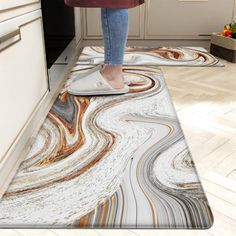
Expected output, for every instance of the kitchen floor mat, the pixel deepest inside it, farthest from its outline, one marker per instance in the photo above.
(161, 56)
(109, 162)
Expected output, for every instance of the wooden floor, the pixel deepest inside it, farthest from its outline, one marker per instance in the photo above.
(205, 100)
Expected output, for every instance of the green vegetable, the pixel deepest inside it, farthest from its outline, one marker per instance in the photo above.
(234, 35)
(232, 26)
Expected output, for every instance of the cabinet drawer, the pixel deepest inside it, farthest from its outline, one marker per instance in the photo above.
(23, 74)
(8, 4)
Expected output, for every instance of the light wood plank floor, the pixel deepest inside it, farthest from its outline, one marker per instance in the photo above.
(205, 100)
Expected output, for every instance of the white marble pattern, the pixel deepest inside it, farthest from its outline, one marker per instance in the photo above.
(109, 161)
(160, 56)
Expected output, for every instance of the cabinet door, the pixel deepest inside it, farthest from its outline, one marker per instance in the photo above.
(186, 19)
(92, 23)
(23, 74)
(8, 4)
(13, 8)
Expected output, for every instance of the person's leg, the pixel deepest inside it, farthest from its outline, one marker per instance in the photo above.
(115, 32)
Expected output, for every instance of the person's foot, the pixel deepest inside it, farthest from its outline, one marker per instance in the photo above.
(113, 75)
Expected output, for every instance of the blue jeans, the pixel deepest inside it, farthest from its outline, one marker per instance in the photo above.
(115, 33)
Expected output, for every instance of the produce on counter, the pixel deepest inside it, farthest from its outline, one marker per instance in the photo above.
(230, 30)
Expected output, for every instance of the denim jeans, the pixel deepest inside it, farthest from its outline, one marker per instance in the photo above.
(115, 33)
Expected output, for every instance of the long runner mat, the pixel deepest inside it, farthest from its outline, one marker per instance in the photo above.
(109, 162)
(161, 56)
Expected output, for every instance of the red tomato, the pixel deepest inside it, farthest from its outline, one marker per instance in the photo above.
(228, 33)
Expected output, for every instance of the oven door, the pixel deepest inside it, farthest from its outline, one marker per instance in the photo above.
(59, 34)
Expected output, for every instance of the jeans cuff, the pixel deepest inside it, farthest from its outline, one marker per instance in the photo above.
(116, 62)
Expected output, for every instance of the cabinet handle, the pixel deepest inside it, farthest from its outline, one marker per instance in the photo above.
(7, 37)
(10, 35)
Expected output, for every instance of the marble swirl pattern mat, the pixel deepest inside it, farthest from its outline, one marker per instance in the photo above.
(109, 162)
(161, 56)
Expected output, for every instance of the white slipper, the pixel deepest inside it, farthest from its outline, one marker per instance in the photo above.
(127, 81)
(92, 83)
(87, 73)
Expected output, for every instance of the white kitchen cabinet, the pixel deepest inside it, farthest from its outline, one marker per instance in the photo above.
(168, 19)
(14, 8)
(92, 23)
(23, 75)
(8, 4)
(186, 19)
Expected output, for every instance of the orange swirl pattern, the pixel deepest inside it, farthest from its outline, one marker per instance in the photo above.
(161, 56)
(109, 162)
